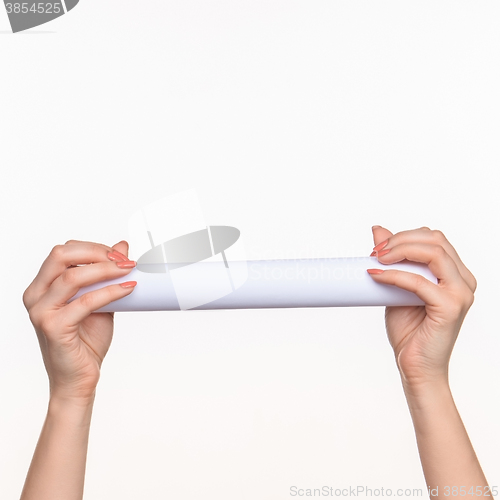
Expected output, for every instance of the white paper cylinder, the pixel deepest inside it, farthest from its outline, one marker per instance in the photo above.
(336, 282)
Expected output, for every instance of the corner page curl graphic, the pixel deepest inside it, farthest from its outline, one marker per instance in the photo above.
(170, 240)
(24, 15)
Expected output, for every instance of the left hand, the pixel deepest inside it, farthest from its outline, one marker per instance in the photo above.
(423, 336)
(73, 339)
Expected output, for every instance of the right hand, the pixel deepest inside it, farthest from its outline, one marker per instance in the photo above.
(423, 336)
(72, 338)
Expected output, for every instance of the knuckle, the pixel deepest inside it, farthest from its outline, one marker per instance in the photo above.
(474, 283)
(57, 252)
(35, 315)
(438, 235)
(69, 277)
(27, 298)
(41, 319)
(425, 227)
(420, 281)
(468, 299)
(460, 302)
(438, 251)
(87, 301)
(69, 242)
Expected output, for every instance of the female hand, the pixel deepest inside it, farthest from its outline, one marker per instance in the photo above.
(423, 336)
(72, 338)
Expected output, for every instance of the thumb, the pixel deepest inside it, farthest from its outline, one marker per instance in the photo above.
(380, 234)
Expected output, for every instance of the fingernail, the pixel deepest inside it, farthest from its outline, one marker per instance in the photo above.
(120, 254)
(383, 252)
(375, 271)
(127, 264)
(115, 257)
(128, 284)
(375, 227)
(373, 254)
(381, 245)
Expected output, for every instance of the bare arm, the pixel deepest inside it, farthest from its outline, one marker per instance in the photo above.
(447, 456)
(423, 338)
(58, 466)
(73, 341)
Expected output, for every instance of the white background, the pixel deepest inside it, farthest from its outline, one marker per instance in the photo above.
(303, 123)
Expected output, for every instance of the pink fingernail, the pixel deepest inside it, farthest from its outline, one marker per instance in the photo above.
(373, 254)
(375, 271)
(127, 264)
(115, 257)
(383, 252)
(120, 254)
(128, 284)
(381, 245)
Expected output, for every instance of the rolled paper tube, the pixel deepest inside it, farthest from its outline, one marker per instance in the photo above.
(335, 282)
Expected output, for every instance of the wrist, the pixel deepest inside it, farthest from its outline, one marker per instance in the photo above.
(70, 405)
(418, 382)
(72, 393)
(428, 394)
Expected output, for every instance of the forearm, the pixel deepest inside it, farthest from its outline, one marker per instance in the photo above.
(57, 470)
(447, 456)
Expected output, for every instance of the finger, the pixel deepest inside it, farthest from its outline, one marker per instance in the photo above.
(115, 249)
(76, 242)
(122, 248)
(426, 235)
(76, 311)
(70, 281)
(435, 256)
(464, 271)
(427, 291)
(60, 258)
(380, 234)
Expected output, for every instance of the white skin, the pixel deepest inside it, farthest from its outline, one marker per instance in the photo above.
(423, 338)
(74, 342)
